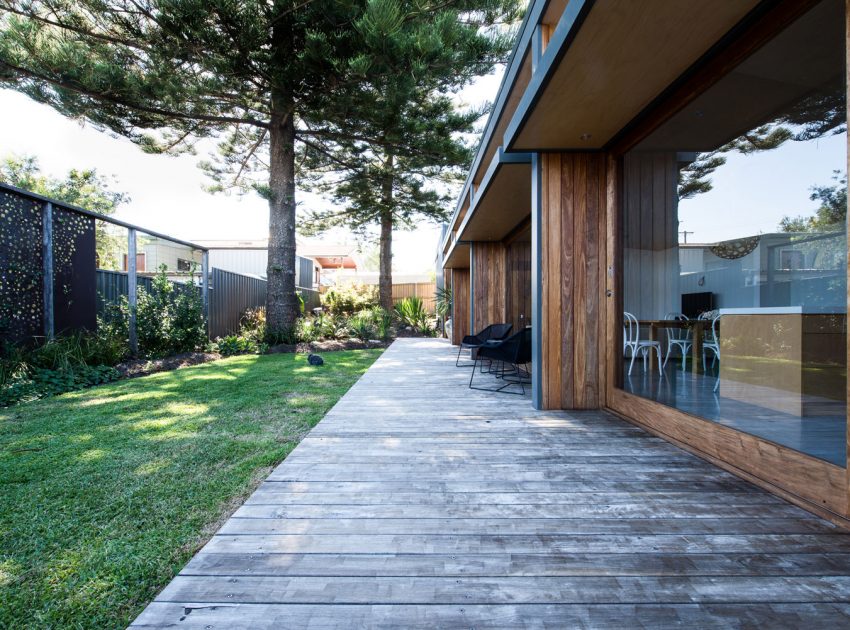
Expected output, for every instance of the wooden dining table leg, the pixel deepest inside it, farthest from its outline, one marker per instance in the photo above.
(696, 348)
(653, 336)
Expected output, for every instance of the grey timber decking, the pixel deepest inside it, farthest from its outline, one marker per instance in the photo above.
(417, 503)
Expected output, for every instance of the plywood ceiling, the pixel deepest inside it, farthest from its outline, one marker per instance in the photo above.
(505, 202)
(625, 54)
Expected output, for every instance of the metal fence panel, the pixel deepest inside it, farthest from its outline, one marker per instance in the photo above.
(304, 272)
(230, 295)
(312, 299)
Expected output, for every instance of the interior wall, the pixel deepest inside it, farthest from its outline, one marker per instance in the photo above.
(460, 304)
(573, 215)
(651, 235)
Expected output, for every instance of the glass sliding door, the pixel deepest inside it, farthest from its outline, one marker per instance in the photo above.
(735, 246)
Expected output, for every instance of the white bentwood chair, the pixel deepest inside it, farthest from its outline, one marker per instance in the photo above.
(678, 337)
(711, 341)
(633, 342)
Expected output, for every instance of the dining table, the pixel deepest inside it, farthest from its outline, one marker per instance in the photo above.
(697, 327)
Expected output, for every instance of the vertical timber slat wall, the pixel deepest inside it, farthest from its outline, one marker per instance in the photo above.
(518, 284)
(460, 304)
(488, 269)
(574, 219)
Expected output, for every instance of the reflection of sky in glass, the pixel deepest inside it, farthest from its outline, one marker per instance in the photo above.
(753, 192)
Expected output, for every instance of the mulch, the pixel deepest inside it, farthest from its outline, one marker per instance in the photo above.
(142, 367)
(332, 345)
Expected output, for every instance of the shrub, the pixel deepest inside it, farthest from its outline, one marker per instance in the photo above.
(362, 325)
(169, 320)
(443, 301)
(350, 298)
(47, 382)
(383, 322)
(68, 362)
(411, 312)
(253, 323)
(236, 344)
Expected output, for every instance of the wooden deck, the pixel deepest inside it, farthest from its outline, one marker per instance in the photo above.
(419, 504)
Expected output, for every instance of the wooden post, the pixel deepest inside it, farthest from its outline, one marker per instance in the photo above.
(131, 289)
(47, 261)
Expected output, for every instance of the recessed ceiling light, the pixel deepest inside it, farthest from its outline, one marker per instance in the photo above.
(584, 137)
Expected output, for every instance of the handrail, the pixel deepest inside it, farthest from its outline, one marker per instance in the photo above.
(97, 215)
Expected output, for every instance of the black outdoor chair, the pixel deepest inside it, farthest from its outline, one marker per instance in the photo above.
(513, 354)
(492, 332)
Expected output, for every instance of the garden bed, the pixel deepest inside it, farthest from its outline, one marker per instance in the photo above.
(142, 367)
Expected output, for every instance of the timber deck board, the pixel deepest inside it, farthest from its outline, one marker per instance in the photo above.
(416, 503)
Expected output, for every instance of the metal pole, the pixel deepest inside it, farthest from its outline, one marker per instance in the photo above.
(536, 284)
(131, 289)
(47, 259)
(472, 288)
(205, 281)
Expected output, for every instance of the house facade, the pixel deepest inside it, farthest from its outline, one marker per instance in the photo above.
(251, 257)
(620, 131)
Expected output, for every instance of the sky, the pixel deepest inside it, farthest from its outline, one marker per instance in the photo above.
(752, 193)
(166, 193)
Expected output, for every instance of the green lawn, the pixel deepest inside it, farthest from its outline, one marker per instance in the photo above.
(106, 493)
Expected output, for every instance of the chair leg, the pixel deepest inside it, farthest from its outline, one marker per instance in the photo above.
(632, 362)
(667, 356)
(459, 349)
(472, 376)
(658, 356)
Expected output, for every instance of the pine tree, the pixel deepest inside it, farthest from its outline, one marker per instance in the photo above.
(414, 61)
(821, 113)
(253, 76)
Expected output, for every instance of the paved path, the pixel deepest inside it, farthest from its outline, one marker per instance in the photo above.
(419, 504)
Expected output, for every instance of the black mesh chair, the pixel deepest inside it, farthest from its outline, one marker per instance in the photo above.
(513, 354)
(493, 332)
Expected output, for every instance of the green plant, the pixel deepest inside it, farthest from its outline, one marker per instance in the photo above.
(45, 382)
(169, 318)
(383, 322)
(411, 312)
(443, 301)
(348, 299)
(236, 344)
(362, 325)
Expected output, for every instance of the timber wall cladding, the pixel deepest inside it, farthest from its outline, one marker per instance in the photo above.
(488, 284)
(518, 284)
(573, 216)
(460, 304)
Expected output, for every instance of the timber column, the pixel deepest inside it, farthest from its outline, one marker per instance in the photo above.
(569, 279)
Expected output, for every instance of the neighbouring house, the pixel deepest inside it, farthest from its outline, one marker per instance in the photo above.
(250, 257)
(334, 261)
(152, 253)
(600, 146)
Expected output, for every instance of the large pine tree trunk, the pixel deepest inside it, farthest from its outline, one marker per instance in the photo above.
(282, 306)
(385, 276)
